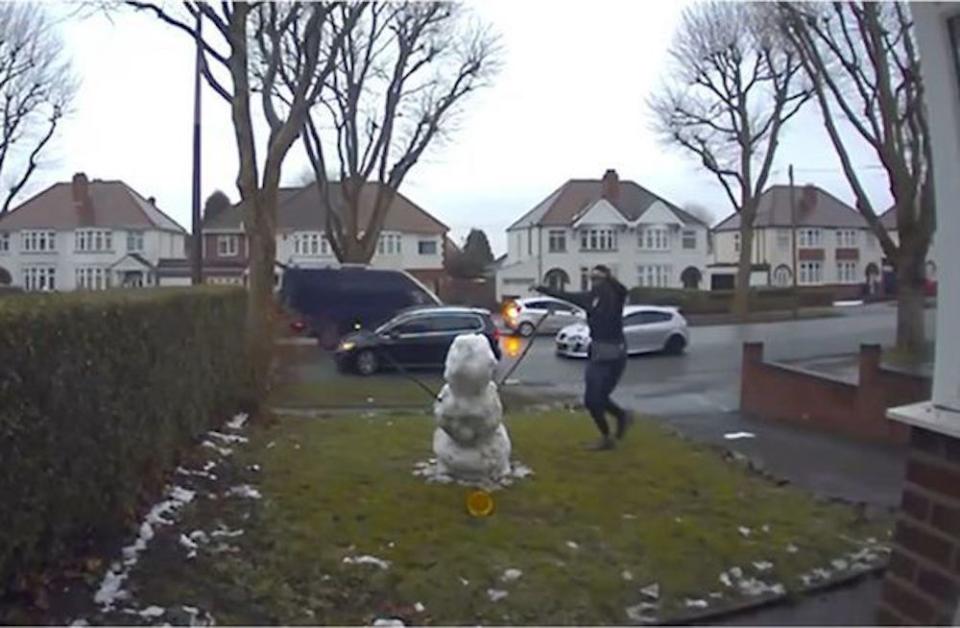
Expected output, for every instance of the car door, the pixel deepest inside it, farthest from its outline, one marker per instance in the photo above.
(404, 342)
(633, 331)
(534, 312)
(566, 314)
(654, 329)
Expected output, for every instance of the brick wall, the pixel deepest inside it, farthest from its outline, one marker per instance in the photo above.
(777, 392)
(922, 584)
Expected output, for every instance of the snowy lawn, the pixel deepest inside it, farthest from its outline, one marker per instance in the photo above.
(329, 525)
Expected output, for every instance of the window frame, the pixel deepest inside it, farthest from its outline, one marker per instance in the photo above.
(556, 241)
(228, 245)
(430, 244)
(686, 237)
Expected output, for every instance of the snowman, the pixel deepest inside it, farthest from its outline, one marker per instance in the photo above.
(471, 442)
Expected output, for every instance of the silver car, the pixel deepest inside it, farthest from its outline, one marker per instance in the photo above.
(523, 316)
(648, 328)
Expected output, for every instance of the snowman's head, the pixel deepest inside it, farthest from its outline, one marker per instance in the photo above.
(470, 364)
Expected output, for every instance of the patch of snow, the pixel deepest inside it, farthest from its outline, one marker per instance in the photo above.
(255, 468)
(716, 595)
(753, 587)
(199, 536)
(271, 445)
(388, 622)
(244, 490)
(744, 531)
(511, 575)
(223, 531)
(464, 582)
(223, 451)
(693, 603)
(651, 591)
(191, 546)
(725, 579)
(296, 445)
(766, 528)
(839, 564)
(520, 471)
(626, 575)
(230, 439)
(763, 565)
(195, 473)
(628, 516)
(111, 587)
(736, 572)
(739, 435)
(419, 607)
(79, 622)
(152, 611)
(572, 545)
(792, 549)
(366, 560)
(642, 613)
(237, 422)
(495, 595)
(210, 464)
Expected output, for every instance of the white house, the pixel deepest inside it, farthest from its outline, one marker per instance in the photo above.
(644, 239)
(87, 235)
(412, 239)
(834, 244)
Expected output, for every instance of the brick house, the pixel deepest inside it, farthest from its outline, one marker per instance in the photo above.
(412, 239)
(643, 238)
(89, 235)
(834, 243)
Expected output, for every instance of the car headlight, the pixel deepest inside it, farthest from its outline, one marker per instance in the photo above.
(347, 345)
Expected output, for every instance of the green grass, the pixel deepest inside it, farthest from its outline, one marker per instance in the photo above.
(660, 508)
(347, 391)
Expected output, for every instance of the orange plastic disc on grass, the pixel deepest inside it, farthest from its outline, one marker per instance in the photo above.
(480, 503)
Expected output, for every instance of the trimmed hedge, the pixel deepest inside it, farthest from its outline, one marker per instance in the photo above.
(98, 394)
(721, 301)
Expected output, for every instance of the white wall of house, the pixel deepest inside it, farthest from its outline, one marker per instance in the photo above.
(617, 245)
(408, 251)
(29, 269)
(774, 246)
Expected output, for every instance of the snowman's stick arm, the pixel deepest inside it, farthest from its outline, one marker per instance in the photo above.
(526, 349)
(410, 376)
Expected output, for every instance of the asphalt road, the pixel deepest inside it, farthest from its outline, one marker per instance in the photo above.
(706, 379)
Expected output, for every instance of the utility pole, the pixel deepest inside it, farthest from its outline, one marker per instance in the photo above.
(196, 251)
(793, 243)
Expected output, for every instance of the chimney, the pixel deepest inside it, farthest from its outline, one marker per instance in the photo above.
(611, 186)
(152, 200)
(808, 200)
(81, 199)
(80, 189)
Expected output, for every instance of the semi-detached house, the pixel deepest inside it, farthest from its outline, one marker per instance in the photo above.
(411, 240)
(89, 235)
(644, 239)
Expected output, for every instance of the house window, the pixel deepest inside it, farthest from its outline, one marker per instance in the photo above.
(654, 275)
(557, 242)
(810, 273)
(598, 240)
(93, 278)
(427, 247)
(689, 239)
(655, 239)
(783, 238)
(309, 244)
(134, 241)
(38, 241)
(93, 241)
(389, 244)
(529, 242)
(809, 238)
(228, 245)
(847, 238)
(39, 278)
(736, 242)
(4, 241)
(872, 241)
(847, 272)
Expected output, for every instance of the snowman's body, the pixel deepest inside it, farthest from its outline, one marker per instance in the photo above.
(470, 442)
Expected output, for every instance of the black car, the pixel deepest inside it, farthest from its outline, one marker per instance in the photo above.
(418, 338)
(333, 302)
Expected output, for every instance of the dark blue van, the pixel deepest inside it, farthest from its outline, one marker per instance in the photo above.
(336, 301)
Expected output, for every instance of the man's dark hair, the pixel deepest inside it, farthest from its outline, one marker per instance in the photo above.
(604, 269)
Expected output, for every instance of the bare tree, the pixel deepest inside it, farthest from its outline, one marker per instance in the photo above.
(865, 69)
(36, 88)
(246, 50)
(735, 84)
(401, 76)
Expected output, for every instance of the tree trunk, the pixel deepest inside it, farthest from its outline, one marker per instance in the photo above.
(911, 262)
(741, 294)
(262, 242)
(353, 252)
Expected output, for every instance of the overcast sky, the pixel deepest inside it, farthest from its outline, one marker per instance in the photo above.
(568, 103)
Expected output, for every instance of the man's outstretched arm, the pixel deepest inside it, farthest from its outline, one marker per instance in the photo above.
(580, 299)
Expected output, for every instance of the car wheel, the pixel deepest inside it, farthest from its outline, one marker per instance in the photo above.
(675, 345)
(526, 329)
(367, 362)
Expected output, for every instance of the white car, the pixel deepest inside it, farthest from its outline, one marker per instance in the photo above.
(648, 328)
(524, 316)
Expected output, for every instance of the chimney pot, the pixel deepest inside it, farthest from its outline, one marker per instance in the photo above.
(152, 200)
(80, 183)
(611, 185)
